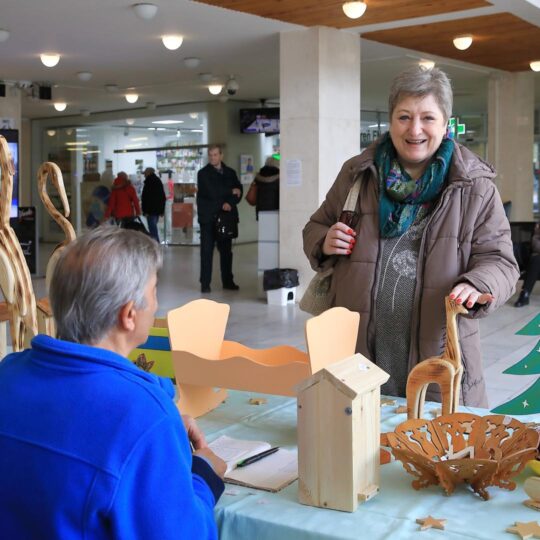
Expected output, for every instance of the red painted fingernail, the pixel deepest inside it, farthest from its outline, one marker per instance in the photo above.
(350, 231)
(348, 252)
(353, 241)
(459, 300)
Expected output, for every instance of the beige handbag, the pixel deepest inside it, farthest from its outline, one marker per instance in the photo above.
(318, 296)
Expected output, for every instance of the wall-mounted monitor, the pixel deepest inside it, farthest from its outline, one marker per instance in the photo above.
(12, 138)
(260, 120)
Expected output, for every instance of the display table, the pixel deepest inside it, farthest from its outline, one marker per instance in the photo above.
(246, 513)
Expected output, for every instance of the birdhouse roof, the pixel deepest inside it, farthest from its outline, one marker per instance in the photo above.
(352, 376)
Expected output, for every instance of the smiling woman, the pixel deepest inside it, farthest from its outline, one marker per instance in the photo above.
(430, 223)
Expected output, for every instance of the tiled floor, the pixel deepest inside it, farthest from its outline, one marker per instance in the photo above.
(257, 324)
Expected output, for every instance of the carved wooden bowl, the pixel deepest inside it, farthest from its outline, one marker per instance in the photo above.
(497, 448)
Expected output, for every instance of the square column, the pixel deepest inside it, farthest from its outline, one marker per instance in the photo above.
(319, 124)
(511, 138)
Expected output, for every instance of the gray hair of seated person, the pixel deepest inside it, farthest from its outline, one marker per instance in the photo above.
(421, 82)
(95, 276)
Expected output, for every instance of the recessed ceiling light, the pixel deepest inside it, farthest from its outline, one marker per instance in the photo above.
(130, 121)
(192, 62)
(535, 66)
(463, 42)
(51, 132)
(172, 42)
(4, 35)
(196, 131)
(161, 129)
(132, 97)
(49, 59)
(75, 143)
(167, 122)
(194, 115)
(215, 89)
(145, 10)
(354, 10)
(84, 75)
(60, 106)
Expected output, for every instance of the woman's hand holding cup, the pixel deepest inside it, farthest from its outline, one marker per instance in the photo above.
(339, 240)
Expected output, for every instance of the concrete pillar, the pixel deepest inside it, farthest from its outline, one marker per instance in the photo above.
(319, 125)
(510, 139)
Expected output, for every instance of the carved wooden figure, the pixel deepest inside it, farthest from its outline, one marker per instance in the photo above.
(52, 171)
(445, 370)
(15, 280)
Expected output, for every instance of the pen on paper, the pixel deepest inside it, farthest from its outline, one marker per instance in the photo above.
(257, 457)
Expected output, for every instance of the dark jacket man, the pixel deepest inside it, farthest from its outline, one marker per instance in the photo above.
(153, 195)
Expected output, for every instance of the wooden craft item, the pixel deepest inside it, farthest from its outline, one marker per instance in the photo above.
(201, 356)
(532, 489)
(527, 530)
(431, 523)
(339, 452)
(52, 171)
(445, 370)
(257, 401)
(428, 448)
(15, 280)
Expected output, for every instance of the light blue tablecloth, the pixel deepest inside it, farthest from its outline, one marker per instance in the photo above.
(245, 513)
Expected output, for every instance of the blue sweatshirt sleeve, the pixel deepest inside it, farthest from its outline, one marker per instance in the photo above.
(161, 494)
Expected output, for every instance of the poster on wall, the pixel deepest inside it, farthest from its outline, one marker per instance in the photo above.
(246, 168)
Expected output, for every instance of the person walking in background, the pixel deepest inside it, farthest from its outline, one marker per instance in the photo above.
(265, 188)
(533, 270)
(123, 202)
(429, 224)
(153, 201)
(218, 189)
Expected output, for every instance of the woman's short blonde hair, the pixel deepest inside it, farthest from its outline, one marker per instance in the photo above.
(420, 82)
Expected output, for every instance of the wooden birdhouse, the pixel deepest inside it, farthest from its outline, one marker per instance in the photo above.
(339, 434)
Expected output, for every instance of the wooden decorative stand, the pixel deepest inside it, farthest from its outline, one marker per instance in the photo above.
(445, 370)
(52, 171)
(464, 448)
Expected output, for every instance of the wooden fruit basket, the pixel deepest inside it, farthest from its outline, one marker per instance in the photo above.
(461, 448)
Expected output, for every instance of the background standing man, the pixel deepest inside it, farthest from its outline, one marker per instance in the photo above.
(153, 201)
(218, 189)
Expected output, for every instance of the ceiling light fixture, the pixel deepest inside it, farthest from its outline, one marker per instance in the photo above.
(145, 11)
(192, 62)
(426, 64)
(354, 10)
(194, 115)
(51, 132)
(167, 122)
(535, 65)
(172, 42)
(84, 75)
(132, 97)
(130, 121)
(4, 35)
(215, 89)
(60, 106)
(49, 59)
(463, 42)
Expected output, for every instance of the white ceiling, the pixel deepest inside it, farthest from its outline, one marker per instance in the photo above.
(106, 38)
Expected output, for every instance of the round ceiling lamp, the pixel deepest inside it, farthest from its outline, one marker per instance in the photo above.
(130, 121)
(145, 11)
(84, 75)
(131, 97)
(354, 10)
(51, 132)
(535, 65)
(426, 64)
(194, 115)
(172, 42)
(49, 59)
(463, 42)
(192, 62)
(4, 35)
(60, 106)
(215, 89)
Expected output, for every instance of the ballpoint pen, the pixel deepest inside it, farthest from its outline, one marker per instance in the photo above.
(257, 457)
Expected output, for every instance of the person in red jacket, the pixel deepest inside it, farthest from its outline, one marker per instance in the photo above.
(123, 202)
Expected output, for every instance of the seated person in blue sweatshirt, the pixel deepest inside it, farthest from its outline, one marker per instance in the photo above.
(90, 445)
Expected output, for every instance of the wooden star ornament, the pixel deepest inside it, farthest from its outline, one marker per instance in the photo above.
(431, 523)
(527, 530)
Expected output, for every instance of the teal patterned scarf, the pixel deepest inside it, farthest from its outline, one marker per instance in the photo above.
(402, 199)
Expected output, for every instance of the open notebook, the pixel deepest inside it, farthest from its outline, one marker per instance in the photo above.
(271, 473)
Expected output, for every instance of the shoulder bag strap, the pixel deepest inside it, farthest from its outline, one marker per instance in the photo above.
(352, 197)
